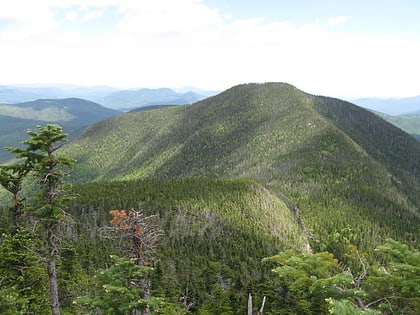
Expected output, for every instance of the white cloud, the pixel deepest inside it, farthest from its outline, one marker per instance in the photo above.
(71, 16)
(338, 20)
(91, 15)
(74, 16)
(183, 42)
(31, 18)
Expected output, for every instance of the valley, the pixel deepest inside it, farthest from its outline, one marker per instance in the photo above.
(231, 180)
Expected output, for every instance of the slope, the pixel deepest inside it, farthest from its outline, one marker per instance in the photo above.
(231, 134)
(71, 111)
(214, 231)
(353, 176)
(384, 142)
(13, 132)
(410, 123)
(73, 114)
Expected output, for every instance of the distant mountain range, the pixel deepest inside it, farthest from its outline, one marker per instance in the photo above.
(22, 107)
(391, 106)
(12, 94)
(403, 112)
(131, 99)
(73, 114)
(107, 96)
(69, 111)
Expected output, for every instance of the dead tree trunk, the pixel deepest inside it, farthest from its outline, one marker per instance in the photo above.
(262, 307)
(250, 304)
(260, 311)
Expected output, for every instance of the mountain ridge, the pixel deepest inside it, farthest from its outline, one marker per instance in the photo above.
(66, 110)
(73, 114)
(410, 123)
(130, 99)
(253, 171)
(322, 154)
(114, 98)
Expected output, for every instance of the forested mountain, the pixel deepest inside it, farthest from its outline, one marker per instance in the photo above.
(322, 154)
(105, 95)
(237, 177)
(23, 93)
(410, 123)
(72, 113)
(69, 111)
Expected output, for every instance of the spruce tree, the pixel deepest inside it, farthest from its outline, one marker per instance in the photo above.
(47, 210)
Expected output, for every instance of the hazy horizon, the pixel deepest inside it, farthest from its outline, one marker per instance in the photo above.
(349, 50)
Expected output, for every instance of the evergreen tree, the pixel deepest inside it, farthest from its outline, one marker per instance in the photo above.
(116, 291)
(11, 178)
(23, 277)
(38, 159)
(319, 284)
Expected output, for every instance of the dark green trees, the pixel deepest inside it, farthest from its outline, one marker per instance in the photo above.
(47, 209)
(23, 278)
(116, 291)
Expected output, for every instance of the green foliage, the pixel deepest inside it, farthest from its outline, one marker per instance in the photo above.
(213, 230)
(116, 291)
(341, 307)
(38, 159)
(167, 308)
(395, 284)
(11, 303)
(23, 275)
(73, 280)
(317, 283)
(311, 278)
(11, 177)
(218, 303)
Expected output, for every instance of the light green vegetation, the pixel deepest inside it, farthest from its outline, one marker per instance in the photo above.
(44, 114)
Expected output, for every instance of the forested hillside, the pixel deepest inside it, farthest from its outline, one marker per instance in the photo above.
(327, 157)
(230, 182)
(410, 123)
(72, 113)
(213, 231)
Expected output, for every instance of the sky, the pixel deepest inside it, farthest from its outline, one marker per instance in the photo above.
(342, 48)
